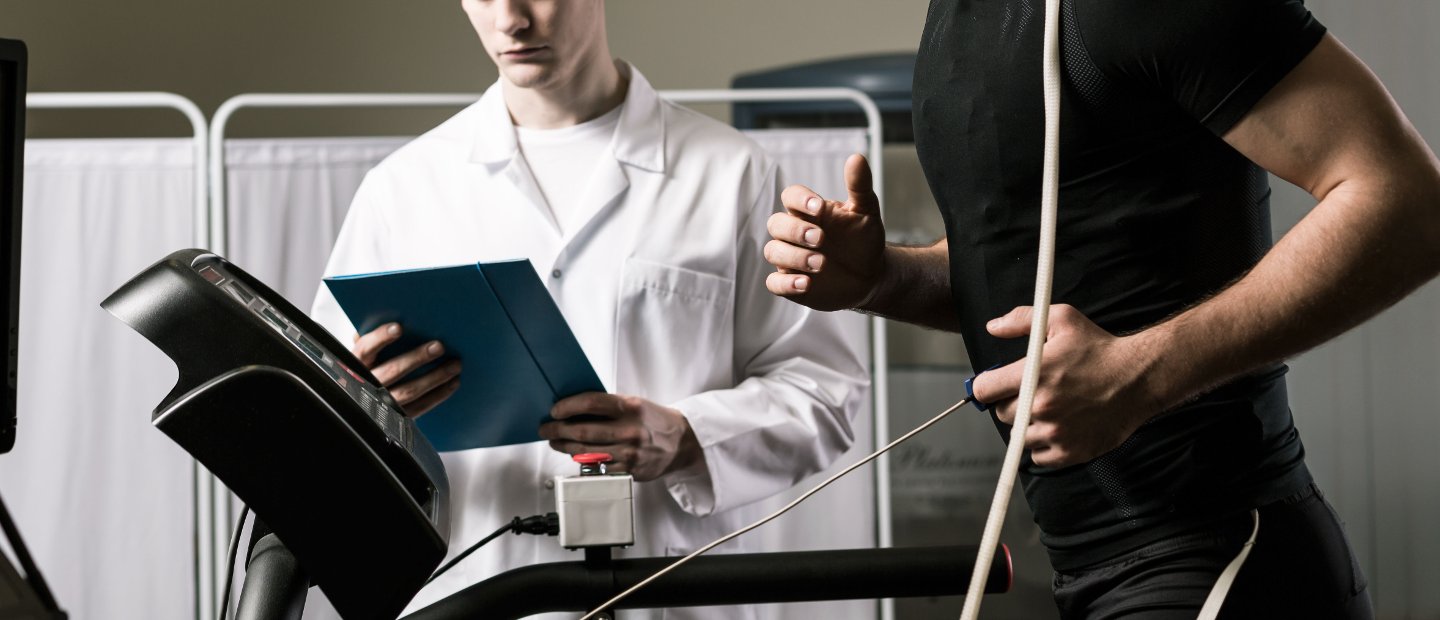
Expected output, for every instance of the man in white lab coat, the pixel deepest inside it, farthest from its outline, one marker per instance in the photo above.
(646, 222)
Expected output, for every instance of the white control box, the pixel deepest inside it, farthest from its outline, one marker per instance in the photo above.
(595, 511)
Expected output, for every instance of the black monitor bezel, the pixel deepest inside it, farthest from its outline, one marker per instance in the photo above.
(13, 57)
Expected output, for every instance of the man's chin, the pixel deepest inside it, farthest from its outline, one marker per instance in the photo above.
(528, 76)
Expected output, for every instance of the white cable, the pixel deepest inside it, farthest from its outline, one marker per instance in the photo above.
(723, 539)
(1049, 201)
(1221, 589)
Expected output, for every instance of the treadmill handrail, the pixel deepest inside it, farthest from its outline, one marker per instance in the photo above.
(726, 579)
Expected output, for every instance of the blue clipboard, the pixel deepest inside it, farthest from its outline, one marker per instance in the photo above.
(519, 354)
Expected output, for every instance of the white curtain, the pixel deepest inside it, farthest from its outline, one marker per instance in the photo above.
(287, 199)
(103, 499)
(815, 158)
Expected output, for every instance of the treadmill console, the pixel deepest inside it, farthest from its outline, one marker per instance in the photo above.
(297, 427)
(372, 399)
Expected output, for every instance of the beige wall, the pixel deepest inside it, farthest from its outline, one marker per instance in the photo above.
(209, 50)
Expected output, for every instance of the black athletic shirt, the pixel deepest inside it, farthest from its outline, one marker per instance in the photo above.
(1156, 213)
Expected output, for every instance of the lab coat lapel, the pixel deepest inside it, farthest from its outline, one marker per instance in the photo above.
(607, 183)
(498, 149)
(518, 174)
(638, 143)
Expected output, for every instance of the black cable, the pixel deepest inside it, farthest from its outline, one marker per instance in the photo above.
(22, 555)
(230, 564)
(493, 535)
(548, 524)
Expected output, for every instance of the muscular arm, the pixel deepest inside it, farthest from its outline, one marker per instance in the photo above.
(1330, 128)
(915, 287)
(832, 255)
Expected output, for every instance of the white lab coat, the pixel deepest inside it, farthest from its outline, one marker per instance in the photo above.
(660, 275)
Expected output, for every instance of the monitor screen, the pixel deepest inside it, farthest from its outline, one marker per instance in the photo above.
(12, 154)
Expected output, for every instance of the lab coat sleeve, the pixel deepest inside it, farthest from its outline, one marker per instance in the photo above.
(360, 248)
(800, 383)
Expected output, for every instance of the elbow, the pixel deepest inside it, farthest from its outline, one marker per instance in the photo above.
(1428, 200)
(1414, 226)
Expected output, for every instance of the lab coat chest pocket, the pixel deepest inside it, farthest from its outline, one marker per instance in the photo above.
(674, 331)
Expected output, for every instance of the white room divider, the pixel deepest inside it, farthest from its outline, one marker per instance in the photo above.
(104, 500)
(299, 189)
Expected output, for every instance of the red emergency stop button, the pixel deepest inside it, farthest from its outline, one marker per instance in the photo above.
(592, 463)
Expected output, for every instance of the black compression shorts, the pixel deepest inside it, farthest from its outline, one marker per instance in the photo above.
(1301, 566)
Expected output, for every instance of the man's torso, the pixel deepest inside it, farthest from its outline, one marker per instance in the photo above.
(1156, 213)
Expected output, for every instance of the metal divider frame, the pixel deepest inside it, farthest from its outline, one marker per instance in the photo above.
(880, 393)
(209, 552)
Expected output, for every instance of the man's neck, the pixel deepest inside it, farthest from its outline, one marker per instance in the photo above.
(595, 90)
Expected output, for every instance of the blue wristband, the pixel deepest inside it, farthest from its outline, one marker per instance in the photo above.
(970, 392)
(970, 389)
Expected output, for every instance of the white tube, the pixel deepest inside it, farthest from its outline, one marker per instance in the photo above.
(1211, 609)
(1040, 318)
